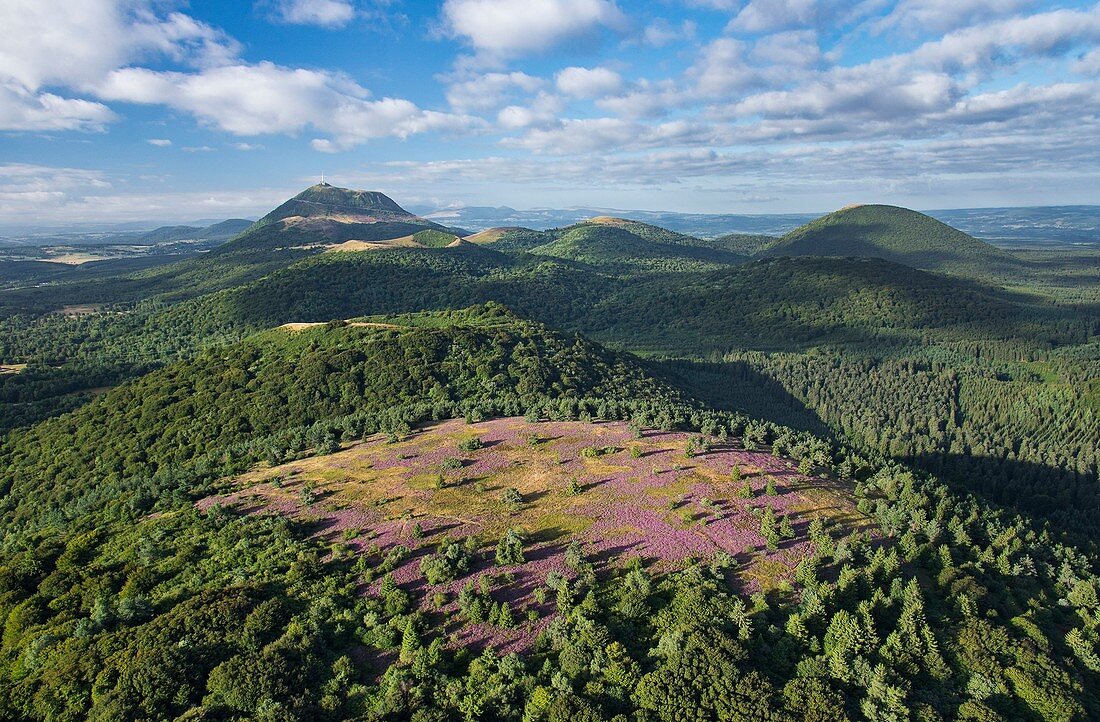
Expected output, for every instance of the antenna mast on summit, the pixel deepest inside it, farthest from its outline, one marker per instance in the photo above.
(322, 177)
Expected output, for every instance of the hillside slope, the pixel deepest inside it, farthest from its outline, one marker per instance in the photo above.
(888, 232)
(266, 532)
(483, 357)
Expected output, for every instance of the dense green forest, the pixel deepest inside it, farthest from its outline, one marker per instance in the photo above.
(122, 601)
(957, 406)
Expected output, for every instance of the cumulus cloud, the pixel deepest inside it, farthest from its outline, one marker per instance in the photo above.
(324, 13)
(515, 27)
(588, 82)
(22, 109)
(1037, 35)
(721, 67)
(759, 16)
(796, 48)
(921, 16)
(488, 91)
(75, 42)
(587, 135)
(661, 32)
(542, 111)
(894, 94)
(92, 47)
(646, 99)
(72, 44)
(265, 98)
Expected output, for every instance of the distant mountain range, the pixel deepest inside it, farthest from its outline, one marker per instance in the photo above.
(1006, 227)
(1038, 226)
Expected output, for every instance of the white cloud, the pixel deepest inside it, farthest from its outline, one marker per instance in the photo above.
(590, 135)
(721, 67)
(1037, 35)
(266, 98)
(90, 47)
(22, 109)
(922, 16)
(768, 15)
(759, 16)
(516, 27)
(1088, 63)
(159, 142)
(54, 195)
(1025, 105)
(72, 44)
(198, 149)
(485, 92)
(646, 99)
(542, 111)
(796, 48)
(325, 13)
(248, 146)
(588, 82)
(853, 93)
(29, 191)
(660, 32)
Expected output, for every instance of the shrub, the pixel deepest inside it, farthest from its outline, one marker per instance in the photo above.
(451, 563)
(470, 444)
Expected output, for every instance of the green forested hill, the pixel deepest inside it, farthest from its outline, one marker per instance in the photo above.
(632, 245)
(889, 232)
(122, 599)
(189, 413)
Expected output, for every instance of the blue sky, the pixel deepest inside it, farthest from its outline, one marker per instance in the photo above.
(121, 110)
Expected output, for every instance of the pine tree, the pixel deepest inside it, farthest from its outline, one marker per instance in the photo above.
(410, 643)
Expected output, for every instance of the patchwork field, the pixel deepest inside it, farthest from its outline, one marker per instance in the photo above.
(612, 492)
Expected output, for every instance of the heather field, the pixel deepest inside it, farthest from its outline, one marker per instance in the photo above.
(621, 493)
